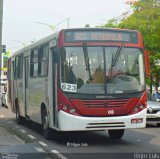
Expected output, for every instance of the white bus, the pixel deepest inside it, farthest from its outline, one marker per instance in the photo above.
(81, 80)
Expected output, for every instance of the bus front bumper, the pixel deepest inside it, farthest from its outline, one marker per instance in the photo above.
(68, 122)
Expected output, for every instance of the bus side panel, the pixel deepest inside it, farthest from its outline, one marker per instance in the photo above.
(37, 95)
(10, 95)
(20, 96)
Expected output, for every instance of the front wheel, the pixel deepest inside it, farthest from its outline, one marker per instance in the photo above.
(116, 134)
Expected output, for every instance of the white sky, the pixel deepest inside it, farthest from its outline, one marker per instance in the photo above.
(20, 17)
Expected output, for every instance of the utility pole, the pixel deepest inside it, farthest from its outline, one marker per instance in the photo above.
(1, 23)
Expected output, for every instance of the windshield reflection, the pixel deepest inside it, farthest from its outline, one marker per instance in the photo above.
(89, 70)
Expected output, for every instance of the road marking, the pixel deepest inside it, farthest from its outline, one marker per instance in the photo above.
(16, 127)
(139, 140)
(39, 149)
(42, 143)
(10, 122)
(32, 137)
(18, 139)
(2, 116)
(22, 130)
(58, 154)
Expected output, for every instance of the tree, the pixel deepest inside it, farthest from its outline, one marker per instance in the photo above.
(146, 19)
(112, 23)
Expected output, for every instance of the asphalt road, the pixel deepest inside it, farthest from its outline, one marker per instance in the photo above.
(136, 143)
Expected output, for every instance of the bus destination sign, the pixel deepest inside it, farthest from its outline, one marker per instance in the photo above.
(102, 36)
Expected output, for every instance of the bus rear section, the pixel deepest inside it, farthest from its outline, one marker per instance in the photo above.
(81, 80)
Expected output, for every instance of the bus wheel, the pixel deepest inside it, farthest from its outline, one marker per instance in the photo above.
(45, 125)
(116, 134)
(18, 117)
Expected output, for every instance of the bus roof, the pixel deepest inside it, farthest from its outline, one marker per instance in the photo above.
(36, 43)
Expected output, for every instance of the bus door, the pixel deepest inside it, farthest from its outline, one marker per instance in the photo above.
(55, 69)
(53, 87)
(26, 76)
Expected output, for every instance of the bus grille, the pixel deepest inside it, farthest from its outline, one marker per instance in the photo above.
(105, 103)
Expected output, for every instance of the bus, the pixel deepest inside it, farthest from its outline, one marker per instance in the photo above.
(81, 79)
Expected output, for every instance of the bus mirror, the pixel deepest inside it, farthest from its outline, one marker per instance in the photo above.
(55, 54)
(146, 58)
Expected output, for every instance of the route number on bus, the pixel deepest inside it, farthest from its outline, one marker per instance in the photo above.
(69, 87)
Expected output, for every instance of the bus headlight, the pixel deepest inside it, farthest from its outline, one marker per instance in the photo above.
(68, 109)
(72, 111)
(136, 109)
(141, 107)
(65, 107)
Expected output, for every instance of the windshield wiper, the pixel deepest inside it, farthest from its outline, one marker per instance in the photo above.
(86, 59)
(115, 57)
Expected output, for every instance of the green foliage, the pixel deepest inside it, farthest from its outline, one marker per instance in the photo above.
(111, 24)
(146, 19)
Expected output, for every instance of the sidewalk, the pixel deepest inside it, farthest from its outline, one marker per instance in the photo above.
(7, 137)
(6, 112)
(15, 145)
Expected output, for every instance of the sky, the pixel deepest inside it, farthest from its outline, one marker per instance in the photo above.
(20, 17)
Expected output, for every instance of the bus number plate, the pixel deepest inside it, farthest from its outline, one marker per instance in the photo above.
(69, 87)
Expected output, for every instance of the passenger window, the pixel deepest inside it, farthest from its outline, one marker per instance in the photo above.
(34, 63)
(19, 67)
(43, 61)
(12, 70)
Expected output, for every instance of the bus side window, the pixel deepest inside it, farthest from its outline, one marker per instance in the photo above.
(43, 61)
(19, 67)
(55, 53)
(34, 63)
(12, 70)
(9, 70)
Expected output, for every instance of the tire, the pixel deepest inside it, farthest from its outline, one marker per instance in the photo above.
(19, 119)
(45, 125)
(116, 134)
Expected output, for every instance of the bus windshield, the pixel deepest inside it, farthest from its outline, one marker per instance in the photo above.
(90, 70)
